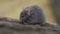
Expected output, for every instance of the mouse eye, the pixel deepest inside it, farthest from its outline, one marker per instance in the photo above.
(22, 16)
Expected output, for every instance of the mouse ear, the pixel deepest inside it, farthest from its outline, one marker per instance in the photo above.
(28, 12)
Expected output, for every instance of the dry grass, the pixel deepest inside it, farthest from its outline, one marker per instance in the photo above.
(12, 8)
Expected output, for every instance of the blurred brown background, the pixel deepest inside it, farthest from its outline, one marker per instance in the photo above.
(12, 8)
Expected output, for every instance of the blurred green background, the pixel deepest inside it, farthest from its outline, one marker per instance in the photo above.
(12, 8)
